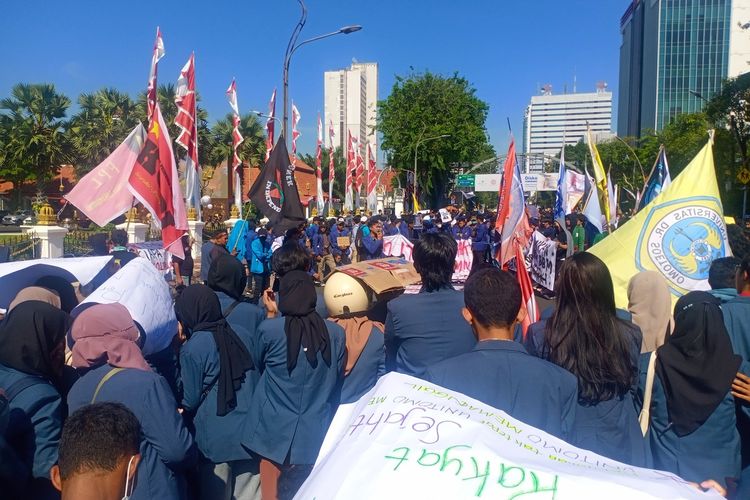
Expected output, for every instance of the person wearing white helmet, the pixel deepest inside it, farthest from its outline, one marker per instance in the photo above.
(349, 303)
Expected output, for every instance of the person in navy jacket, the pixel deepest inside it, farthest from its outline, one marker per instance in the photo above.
(227, 278)
(461, 231)
(602, 351)
(301, 359)
(480, 242)
(341, 255)
(502, 374)
(372, 242)
(105, 350)
(32, 355)
(406, 227)
(218, 378)
(428, 327)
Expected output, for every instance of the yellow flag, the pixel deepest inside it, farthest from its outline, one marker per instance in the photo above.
(599, 175)
(678, 234)
(416, 204)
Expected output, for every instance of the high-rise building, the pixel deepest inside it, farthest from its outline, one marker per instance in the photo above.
(672, 47)
(551, 120)
(351, 101)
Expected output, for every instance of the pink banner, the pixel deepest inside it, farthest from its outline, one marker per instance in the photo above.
(102, 194)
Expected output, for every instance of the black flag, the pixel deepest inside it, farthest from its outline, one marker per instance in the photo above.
(275, 193)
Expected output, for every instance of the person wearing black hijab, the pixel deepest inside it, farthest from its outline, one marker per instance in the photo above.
(218, 378)
(32, 355)
(692, 423)
(301, 358)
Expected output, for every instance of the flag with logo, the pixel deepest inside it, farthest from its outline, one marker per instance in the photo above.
(102, 194)
(678, 234)
(154, 180)
(186, 121)
(274, 191)
(236, 141)
(658, 180)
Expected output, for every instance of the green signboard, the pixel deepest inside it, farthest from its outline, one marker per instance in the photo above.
(465, 180)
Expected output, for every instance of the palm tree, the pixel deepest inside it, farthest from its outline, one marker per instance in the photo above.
(253, 147)
(105, 119)
(32, 136)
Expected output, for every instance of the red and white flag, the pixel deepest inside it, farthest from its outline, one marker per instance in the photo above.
(318, 166)
(295, 132)
(331, 166)
(372, 180)
(350, 165)
(528, 300)
(186, 121)
(512, 223)
(158, 53)
(270, 124)
(359, 179)
(154, 180)
(236, 141)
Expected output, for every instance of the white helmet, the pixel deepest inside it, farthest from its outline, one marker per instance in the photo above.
(344, 294)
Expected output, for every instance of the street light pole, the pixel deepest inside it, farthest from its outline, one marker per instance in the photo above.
(416, 149)
(292, 46)
(269, 117)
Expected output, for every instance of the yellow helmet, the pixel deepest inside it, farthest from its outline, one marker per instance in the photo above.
(344, 294)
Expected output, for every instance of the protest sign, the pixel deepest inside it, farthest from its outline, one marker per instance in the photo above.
(407, 438)
(154, 252)
(18, 275)
(382, 275)
(543, 260)
(141, 288)
(464, 260)
(398, 246)
(445, 216)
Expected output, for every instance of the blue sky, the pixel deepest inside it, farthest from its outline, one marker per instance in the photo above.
(506, 48)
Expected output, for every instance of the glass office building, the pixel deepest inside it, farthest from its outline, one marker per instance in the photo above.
(672, 47)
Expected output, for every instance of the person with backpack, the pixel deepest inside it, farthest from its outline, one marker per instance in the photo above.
(32, 353)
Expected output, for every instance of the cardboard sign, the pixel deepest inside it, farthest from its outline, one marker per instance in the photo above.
(15, 276)
(408, 438)
(383, 275)
(543, 260)
(141, 288)
(343, 241)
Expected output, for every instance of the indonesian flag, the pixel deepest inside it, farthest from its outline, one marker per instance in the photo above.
(372, 180)
(185, 120)
(512, 223)
(318, 169)
(154, 180)
(236, 141)
(528, 300)
(348, 197)
(270, 124)
(506, 181)
(295, 133)
(331, 167)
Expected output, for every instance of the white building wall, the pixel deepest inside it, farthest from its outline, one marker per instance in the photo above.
(739, 39)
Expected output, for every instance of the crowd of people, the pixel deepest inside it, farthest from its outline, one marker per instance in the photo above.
(239, 404)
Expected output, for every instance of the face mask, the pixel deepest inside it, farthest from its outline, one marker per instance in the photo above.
(127, 494)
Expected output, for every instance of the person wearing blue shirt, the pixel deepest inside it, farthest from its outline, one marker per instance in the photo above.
(301, 360)
(32, 355)
(480, 242)
(428, 327)
(406, 227)
(602, 351)
(260, 262)
(532, 390)
(372, 241)
(105, 349)
(461, 231)
(340, 255)
(321, 246)
(218, 376)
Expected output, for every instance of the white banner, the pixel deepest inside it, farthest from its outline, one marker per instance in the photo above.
(398, 245)
(141, 288)
(408, 438)
(464, 260)
(17, 275)
(530, 182)
(543, 260)
(154, 252)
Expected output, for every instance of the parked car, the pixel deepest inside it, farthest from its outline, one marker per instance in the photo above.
(15, 219)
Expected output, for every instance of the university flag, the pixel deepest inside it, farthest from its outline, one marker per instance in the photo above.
(512, 223)
(574, 189)
(658, 180)
(599, 174)
(561, 198)
(275, 192)
(331, 166)
(270, 124)
(372, 180)
(591, 208)
(154, 182)
(236, 141)
(102, 194)
(678, 234)
(185, 99)
(295, 132)
(348, 194)
(318, 169)
(528, 300)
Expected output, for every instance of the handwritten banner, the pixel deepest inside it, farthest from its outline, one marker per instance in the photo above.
(543, 260)
(154, 252)
(141, 288)
(407, 438)
(397, 246)
(464, 260)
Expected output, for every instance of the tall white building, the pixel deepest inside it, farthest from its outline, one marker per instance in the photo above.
(551, 120)
(351, 102)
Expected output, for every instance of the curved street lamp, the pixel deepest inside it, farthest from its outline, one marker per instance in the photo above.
(292, 46)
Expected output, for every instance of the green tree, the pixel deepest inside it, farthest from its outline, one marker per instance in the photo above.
(426, 105)
(105, 119)
(33, 134)
(731, 108)
(253, 147)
